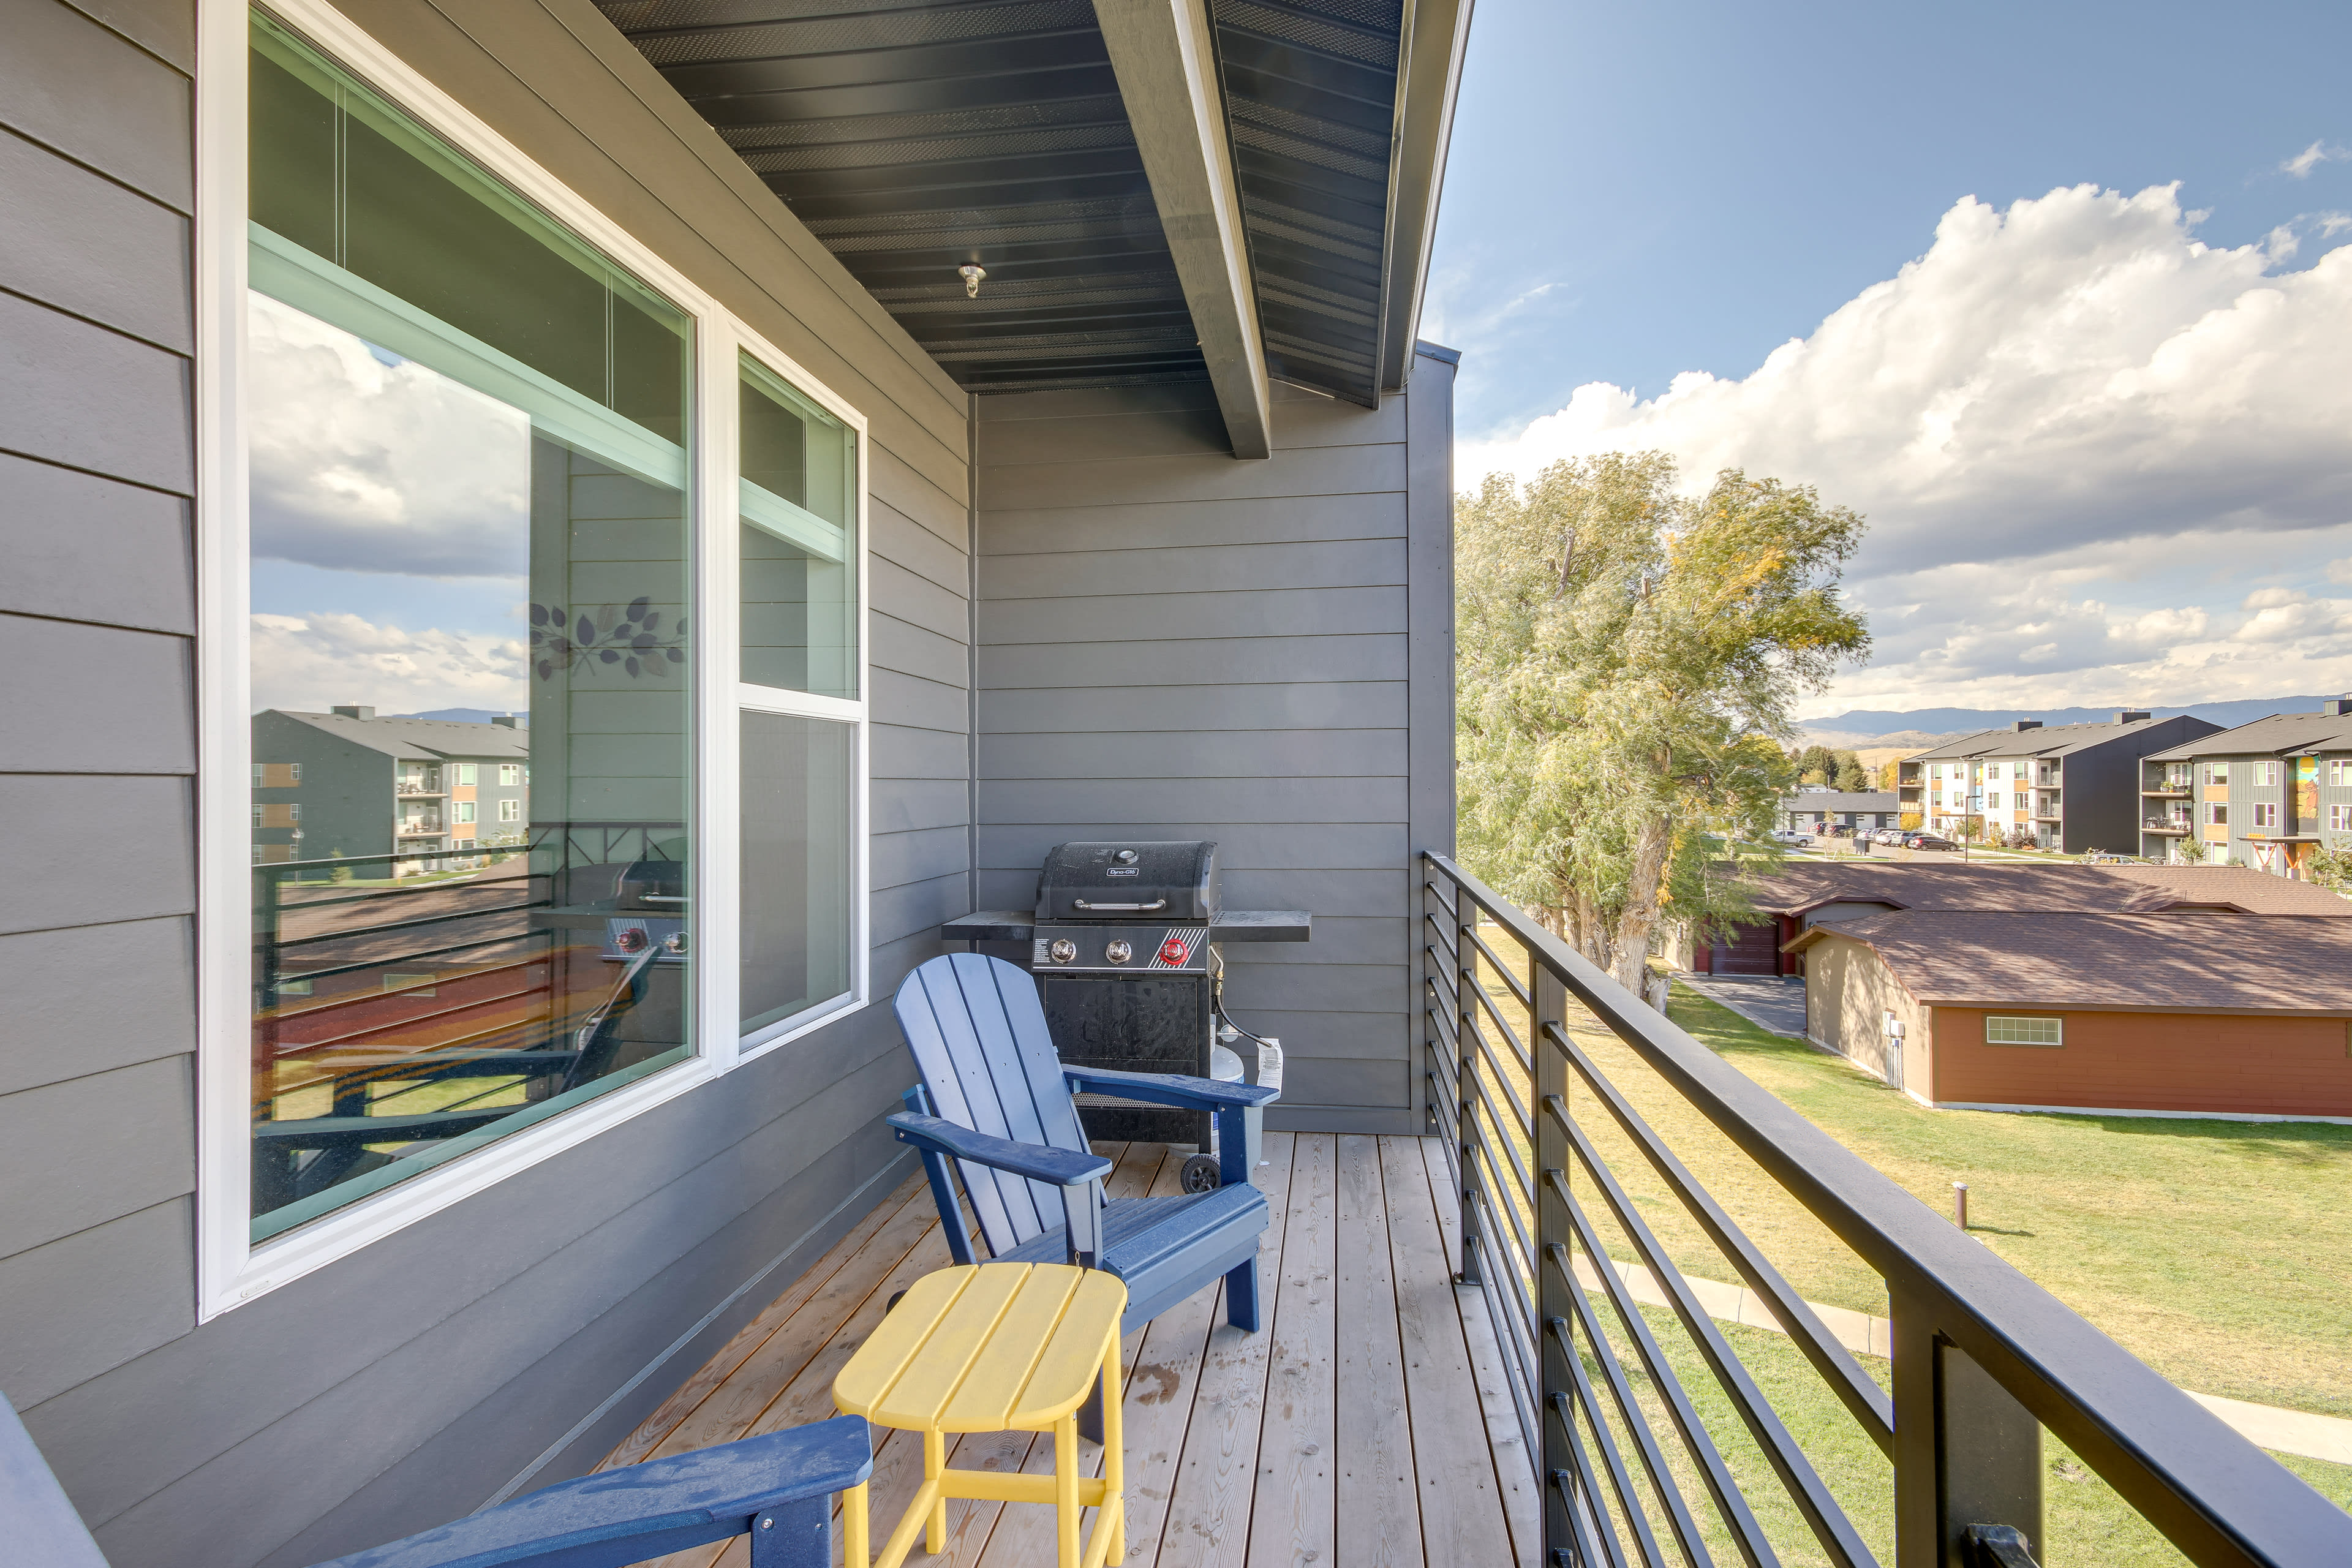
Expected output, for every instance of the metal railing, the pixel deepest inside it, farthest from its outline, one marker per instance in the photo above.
(1632, 1472)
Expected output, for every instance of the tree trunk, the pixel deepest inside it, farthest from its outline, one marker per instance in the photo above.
(1651, 841)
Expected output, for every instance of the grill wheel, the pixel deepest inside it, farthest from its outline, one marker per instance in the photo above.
(1199, 1174)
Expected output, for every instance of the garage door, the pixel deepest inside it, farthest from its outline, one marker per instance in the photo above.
(1752, 949)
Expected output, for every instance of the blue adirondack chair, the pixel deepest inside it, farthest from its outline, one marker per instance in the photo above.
(995, 1099)
(777, 1490)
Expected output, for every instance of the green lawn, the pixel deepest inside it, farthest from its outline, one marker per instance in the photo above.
(2219, 1252)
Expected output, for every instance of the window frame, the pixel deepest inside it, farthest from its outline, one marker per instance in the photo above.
(2057, 1027)
(230, 1268)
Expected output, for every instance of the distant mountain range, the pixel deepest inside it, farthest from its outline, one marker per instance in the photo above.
(1927, 726)
(483, 715)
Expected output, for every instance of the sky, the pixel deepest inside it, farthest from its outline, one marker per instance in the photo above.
(2059, 296)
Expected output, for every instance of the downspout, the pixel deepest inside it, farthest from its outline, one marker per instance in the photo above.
(971, 651)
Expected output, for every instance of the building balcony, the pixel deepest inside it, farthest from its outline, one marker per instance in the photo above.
(2169, 791)
(415, 791)
(418, 829)
(2162, 825)
(2051, 815)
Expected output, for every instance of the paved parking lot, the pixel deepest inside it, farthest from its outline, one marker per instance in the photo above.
(1769, 1001)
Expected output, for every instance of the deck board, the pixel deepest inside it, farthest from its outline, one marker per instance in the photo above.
(1359, 1426)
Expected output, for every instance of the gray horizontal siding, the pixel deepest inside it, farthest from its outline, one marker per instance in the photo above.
(1176, 645)
(532, 1324)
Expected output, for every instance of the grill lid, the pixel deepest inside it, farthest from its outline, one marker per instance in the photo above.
(1133, 880)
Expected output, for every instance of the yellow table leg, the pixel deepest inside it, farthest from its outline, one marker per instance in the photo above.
(935, 1460)
(855, 1550)
(1114, 1458)
(1065, 1489)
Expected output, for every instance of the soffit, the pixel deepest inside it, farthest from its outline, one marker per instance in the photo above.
(913, 138)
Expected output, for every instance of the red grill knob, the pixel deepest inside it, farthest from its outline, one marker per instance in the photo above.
(631, 939)
(1175, 950)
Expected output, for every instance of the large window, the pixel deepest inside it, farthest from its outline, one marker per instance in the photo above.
(556, 860)
(2023, 1031)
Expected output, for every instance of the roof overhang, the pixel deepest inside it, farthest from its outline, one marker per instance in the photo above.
(1234, 191)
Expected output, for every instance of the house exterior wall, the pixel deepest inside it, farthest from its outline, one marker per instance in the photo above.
(496, 1341)
(2218, 1063)
(1849, 991)
(1174, 645)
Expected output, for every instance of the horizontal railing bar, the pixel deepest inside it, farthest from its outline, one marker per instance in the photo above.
(1504, 1230)
(2214, 1495)
(1520, 1052)
(1522, 1379)
(1448, 934)
(1447, 1035)
(1523, 1119)
(1637, 1422)
(1715, 1474)
(1525, 1130)
(1855, 1388)
(1436, 975)
(1804, 1485)
(1518, 987)
(1587, 1487)
(1442, 892)
(1521, 1191)
(328, 972)
(1604, 1443)
(422, 920)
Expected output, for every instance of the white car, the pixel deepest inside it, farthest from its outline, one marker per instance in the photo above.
(1792, 835)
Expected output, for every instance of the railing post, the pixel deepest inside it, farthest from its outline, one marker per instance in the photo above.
(1466, 1133)
(1965, 1451)
(1552, 1228)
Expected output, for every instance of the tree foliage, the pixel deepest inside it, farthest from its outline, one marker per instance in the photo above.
(1629, 659)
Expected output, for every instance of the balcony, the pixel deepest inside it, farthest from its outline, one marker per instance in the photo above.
(418, 826)
(406, 790)
(1371, 1362)
(2164, 824)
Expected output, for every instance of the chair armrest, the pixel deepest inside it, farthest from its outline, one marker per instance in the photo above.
(615, 1517)
(1038, 1162)
(1170, 1089)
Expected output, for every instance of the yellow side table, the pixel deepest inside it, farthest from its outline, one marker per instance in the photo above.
(996, 1347)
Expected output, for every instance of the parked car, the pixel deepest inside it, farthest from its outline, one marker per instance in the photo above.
(1928, 841)
(1790, 835)
(1888, 836)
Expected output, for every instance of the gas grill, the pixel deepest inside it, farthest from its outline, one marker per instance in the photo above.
(1124, 943)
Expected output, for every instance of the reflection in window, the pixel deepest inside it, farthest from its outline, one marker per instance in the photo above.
(469, 547)
(799, 780)
(799, 496)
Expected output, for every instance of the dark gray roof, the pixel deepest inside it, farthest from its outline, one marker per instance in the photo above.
(2065, 888)
(1840, 800)
(423, 740)
(2050, 740)
(2278, 734)
(2109, 962)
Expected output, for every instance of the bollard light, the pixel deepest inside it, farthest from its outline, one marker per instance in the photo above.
(1960, 1204)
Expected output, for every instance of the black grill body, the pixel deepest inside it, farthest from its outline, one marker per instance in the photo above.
(1121, 953)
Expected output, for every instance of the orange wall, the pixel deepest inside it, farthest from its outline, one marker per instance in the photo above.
(2232, 1064)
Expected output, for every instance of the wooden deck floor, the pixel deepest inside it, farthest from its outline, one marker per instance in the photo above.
(1366, 1427)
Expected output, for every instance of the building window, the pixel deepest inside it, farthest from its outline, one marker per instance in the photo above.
(2017, 770)
(2339, 818)
(256, 815)
(2266, 815)
(509, 381)
(2023, 1031)
(2217, 772)
(2339, 772)
(2216, 813)
(2266, 774)
(294, 811)
(521, 386)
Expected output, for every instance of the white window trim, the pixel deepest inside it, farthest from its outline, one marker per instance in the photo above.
(2059, 1028)
(230, 1268)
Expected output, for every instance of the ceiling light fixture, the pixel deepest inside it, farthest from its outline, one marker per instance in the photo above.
(971, 275)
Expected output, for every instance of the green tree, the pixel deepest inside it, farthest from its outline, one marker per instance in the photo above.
(1628, 661)
(1852, 776)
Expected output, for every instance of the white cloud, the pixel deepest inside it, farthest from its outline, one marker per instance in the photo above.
(312, 663)
(366, 462)
(2310, 158)
(2078, 369)
(2056, 416)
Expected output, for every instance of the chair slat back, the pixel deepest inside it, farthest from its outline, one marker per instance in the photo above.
(37, 1520)
(988, 1061)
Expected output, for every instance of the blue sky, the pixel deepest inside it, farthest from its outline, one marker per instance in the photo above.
(1637, 192)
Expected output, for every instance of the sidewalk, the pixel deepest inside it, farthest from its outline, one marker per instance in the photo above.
(2268, 1426)
(1772, 1001)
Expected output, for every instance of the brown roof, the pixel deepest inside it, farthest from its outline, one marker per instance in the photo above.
(2063, 889)
(2140, 962)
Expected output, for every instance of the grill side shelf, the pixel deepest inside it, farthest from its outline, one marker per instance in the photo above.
(1234, 925)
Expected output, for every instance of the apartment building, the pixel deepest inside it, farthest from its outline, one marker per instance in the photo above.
(1860, 811)
(2075, 786)
(2264, 795)
(388, 796)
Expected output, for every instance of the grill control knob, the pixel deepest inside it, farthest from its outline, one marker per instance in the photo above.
(1063, 951)
(1127, 857)
(675, 942)
(631, 939)
(1118, 951)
